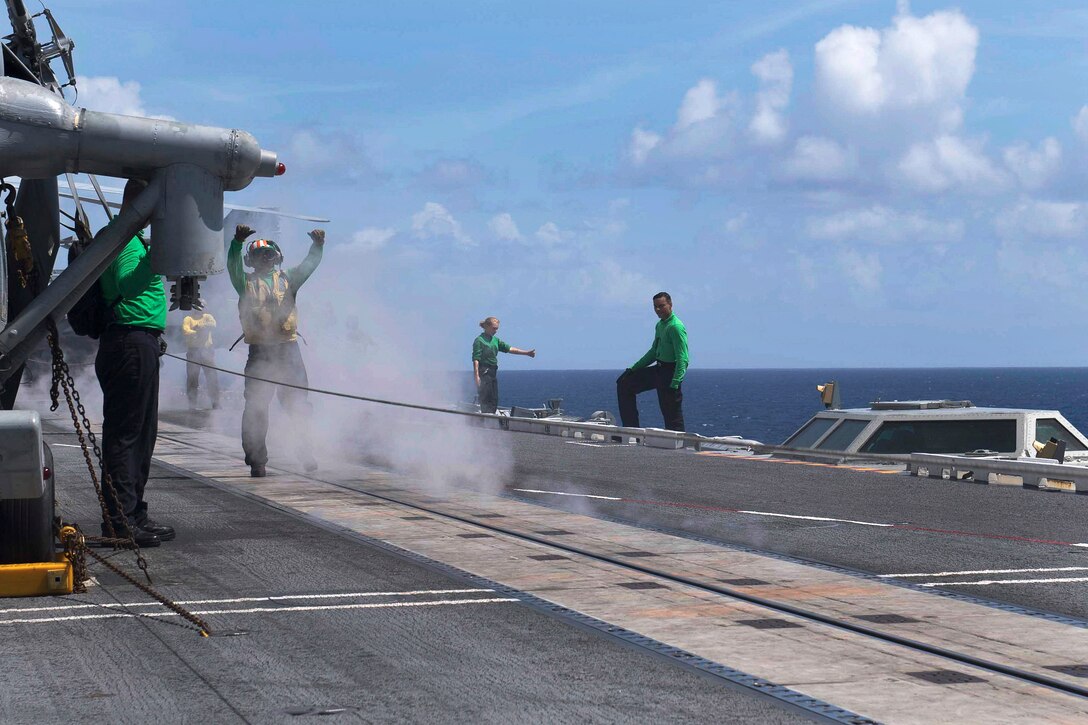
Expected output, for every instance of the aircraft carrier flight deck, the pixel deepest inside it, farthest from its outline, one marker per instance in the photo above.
(611, 583)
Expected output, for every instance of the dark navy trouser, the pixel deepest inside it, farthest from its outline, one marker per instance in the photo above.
(127, 367)
(489, 389)
(655, 377)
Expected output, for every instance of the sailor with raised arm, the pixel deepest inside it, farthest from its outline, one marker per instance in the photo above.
(662, 368)
(266, 306)
(485, 362)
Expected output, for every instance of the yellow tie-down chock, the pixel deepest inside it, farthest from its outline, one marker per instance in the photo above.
(37, 579)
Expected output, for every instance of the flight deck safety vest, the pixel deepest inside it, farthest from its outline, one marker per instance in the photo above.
(267, 311)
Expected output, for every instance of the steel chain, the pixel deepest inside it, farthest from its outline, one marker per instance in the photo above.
(62, 378)
(200, 624)
(75, 550)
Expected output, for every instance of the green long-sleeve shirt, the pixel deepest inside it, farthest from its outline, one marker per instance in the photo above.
(670, 345)
(485, 350)
(141, 295)
(297, 276)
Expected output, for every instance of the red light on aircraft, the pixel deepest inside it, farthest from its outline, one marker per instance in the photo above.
(280, 169)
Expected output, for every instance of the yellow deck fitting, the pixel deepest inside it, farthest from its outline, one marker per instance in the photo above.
(36, 580)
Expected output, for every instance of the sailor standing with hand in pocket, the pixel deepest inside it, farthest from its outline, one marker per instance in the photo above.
(485, 363)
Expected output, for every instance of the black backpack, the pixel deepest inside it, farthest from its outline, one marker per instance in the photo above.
(91, 314)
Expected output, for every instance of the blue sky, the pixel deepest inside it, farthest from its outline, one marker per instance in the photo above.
(826, 183)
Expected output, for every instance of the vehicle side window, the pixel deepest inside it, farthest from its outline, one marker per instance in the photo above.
(943, 436)
(810, 433)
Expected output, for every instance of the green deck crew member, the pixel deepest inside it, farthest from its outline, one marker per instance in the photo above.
(485, 363)
(662, 368)
(127, 367)
(266, 307)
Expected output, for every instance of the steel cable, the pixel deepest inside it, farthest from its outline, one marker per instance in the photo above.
(335, 393)
(694, 438)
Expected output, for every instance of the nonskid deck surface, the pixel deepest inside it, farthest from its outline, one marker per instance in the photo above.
(584, 564)
(1009, 544)
(307, 621)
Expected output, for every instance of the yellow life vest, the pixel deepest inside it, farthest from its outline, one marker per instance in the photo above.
(268, 311)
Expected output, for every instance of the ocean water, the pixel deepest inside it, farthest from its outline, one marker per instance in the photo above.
(769, 405)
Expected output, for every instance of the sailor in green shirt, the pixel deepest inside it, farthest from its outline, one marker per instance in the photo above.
(127, 367)
(485, 363)
(266, 307)
(662, 368)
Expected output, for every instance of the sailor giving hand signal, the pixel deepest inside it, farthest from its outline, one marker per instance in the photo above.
(242, 231)
(318, 237)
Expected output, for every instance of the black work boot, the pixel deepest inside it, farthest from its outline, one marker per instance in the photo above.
(144, 538)
(256, 470)
(140, 535)
(164, 532)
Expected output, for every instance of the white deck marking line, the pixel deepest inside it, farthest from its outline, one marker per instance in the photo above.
(264, 610)
(601, 444)
(815, 518)
(563, 493)
(240, 600)
(985, 571)
(753, 513)
(1085, 545)
(988, 582)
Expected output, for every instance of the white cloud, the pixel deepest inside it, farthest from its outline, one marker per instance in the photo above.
(504, 228)
(768, 125)
(434, 221)
(370, 239)
(550, 234)
(917, 63)
(328, 155)
(883, 225)
(452, 174)
(863, 270)
(847, 69)
(642, 143)
(947, 162)
(1033, 220)
(704, 122)
(1034, 167)
(1080, 124)
(615, 284)
(1042, 242)
(816, 158)
(612, 224)
(1024, 266)
(309, 151)
(110, 95)
(701, 103)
